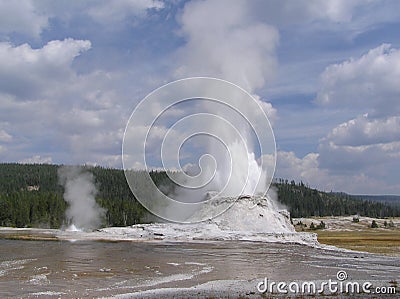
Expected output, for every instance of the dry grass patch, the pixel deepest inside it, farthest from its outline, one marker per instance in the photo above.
(374, 241)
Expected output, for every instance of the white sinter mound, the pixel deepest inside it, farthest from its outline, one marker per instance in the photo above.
(248, 214)
(248, 219)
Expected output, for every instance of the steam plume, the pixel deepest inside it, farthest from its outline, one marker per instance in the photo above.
(80, 191)
(247, 58)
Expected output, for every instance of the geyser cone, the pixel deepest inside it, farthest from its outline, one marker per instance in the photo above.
(249, 213)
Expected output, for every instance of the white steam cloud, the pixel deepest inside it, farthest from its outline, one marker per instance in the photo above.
(80, 191)
(232, 46)
(217, 133)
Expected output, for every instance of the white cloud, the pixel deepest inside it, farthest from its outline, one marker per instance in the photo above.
(45, 103)
(349, 17)
(21, 17)
(368, 145)
(31, 18)
(268, 109)
(360, 155)
(115, 11)
(364, 131)
(309, 170)
(363, 145)
(354, 159)
(4, 136)
(336, 10)
(295, 12)
(370, 82)
(140, 140)
(26, 72)
(37, 160)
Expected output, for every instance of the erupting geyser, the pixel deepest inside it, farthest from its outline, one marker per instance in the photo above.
(83, 212)
(214, 125)
(248, 214)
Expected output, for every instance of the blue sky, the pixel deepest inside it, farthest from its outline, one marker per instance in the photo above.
(71, 73)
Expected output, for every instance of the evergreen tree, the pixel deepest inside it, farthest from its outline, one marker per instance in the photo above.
(30, 196)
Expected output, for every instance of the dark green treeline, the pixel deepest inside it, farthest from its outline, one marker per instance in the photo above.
(30, 196)
(304, 201)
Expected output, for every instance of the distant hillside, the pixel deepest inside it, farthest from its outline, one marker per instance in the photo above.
(304, 201)
(390, 199)
(30, 196)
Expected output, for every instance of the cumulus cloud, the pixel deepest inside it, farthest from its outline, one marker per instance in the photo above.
(21, 17)
(353, 159)
(365, 131)
(376, 179)
(45, 103)
(26, 72)
(217, 48)
(368, 144)
(363, 145)
(306, 169)
(357, 156)
(32, 82)
(369, 82)
(59, 97)
(360, 155)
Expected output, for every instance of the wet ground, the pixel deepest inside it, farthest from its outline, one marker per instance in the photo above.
(65, 269)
